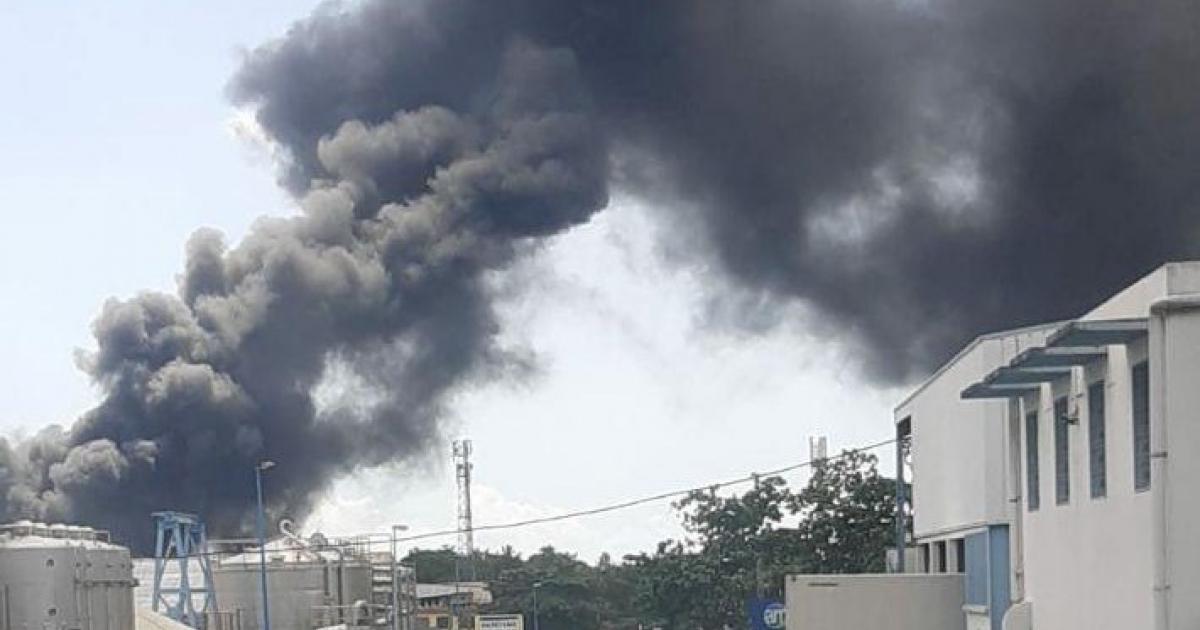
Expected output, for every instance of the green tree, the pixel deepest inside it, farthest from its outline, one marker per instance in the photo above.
(442, 566)
(433, 566)
(847, 516)
(704, 582)
(567, 592)
(736, 546)
(841, 522)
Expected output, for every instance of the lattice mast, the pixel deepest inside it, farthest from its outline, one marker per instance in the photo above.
(466, 533)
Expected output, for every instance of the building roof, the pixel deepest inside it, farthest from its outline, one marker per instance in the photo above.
(1117, 320)
(992, 336)
(1072, 344)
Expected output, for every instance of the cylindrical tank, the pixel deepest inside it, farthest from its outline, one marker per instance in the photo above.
(63, 578)
(306, 588)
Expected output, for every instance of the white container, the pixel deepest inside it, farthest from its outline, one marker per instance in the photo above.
(306, 589)
(49, 581)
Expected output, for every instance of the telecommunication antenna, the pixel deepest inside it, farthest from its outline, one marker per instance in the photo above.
(466, 533)
(818, 448)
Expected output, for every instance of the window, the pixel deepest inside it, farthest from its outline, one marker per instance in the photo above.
(1033, 498)
(1062, 452)
(1141, 426)
(1097, 455)
(941, 556)
(925, 565)
(960, 552)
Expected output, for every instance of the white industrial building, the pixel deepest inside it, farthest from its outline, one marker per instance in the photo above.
(1057, 466)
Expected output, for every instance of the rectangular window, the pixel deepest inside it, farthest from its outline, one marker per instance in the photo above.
(1141, 426)
(1062, 452)
(941, 556)
(1033, 497)
(1097, 454)
(960, 549)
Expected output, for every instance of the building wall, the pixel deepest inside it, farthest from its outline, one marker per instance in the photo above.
(1088, 563)
(958, 447)
(1175, 383)
(1134, 300)
(871, 602)
(1092, 562)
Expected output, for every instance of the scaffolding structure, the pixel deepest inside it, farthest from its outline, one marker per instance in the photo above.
(181, 540)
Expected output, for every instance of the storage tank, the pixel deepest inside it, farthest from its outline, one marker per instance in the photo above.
(56, 577)
(309, 585)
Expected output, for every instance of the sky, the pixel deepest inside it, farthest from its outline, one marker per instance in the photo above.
(120, 141)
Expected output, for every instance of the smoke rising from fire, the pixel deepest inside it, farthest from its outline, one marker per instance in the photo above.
(915, 172)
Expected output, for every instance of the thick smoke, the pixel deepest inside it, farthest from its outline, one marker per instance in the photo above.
(915, 171)
(378, 285)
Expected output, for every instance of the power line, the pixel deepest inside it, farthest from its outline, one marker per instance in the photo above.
(636, 502)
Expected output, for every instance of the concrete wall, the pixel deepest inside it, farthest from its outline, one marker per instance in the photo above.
(1134, 300)
(1088, 563)
(872, 602)
(959, 446)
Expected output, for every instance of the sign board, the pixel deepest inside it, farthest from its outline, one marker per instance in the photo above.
(766, 614)
(500, 622)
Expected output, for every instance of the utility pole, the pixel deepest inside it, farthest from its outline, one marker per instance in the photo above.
(759, 590)
(536, 624)
(903, 501)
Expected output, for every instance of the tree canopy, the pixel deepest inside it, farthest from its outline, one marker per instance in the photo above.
(735, 547)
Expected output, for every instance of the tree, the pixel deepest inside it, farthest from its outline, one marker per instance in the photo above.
(567, 595)
(847, 515)
(433, 566)
(738, 546)
(442, 566)
(704, 582)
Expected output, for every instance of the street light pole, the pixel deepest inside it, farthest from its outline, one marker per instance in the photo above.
(262, 541)
(536, 586)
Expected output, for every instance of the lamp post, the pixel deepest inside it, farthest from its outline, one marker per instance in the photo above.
(536, 586)
(262, 467)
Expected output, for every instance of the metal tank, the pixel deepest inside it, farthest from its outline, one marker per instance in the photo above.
(310, 584)
(60, 577)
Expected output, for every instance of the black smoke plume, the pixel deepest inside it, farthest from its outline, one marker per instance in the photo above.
(915, 171)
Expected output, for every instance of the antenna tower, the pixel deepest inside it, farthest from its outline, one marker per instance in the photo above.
(818, 448)
(466, 532)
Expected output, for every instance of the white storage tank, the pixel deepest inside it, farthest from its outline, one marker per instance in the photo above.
(57, 577)
(309, 585)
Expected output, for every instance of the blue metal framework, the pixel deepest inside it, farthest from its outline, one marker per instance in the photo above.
(182, 540)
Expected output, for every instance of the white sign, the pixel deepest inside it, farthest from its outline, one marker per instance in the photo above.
(500, 622)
